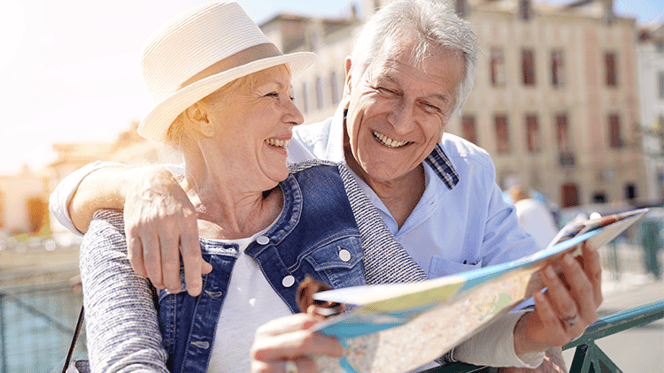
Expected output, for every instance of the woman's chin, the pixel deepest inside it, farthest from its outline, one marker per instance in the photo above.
(276, 173)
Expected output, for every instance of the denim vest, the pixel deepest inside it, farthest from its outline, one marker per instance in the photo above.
(307, 239)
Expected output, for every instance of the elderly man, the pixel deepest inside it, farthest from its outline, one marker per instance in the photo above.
(411, 70)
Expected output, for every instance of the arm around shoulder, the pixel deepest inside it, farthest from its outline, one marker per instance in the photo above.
(63, 193)
(110, 187)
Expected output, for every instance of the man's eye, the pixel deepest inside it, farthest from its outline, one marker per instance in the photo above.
(384, 90)
(431, 108)
(272, 94)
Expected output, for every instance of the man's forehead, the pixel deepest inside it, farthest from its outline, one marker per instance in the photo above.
(407, 56)
(399, 70)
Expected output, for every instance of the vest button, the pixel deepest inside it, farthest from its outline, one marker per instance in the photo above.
(344, 255)
(262, 240)
(288, 281)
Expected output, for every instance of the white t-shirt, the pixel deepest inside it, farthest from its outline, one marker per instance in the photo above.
(249, 303)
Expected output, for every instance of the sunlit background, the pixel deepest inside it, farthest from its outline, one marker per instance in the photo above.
(69, 68)
(584, 137)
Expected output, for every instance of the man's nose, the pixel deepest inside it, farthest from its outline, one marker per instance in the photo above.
(402, 117)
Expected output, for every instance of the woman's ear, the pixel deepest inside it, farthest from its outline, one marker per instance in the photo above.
(197, 116)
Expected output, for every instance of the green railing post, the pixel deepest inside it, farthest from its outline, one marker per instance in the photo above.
(589, 358)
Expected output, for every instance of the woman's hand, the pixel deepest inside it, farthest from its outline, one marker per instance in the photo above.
(568, 306)
(290, 338)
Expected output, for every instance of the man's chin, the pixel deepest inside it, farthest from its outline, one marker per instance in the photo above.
(383, 174)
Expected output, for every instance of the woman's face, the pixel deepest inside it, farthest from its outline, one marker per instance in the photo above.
(253, 126)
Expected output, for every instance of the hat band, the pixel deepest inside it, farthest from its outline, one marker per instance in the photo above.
(243, 57)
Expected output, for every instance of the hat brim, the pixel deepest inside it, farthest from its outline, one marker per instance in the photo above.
(155, 125)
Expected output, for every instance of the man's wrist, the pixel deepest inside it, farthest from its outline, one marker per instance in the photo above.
(523, 343)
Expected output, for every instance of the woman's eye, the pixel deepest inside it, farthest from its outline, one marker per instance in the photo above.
(272, 94)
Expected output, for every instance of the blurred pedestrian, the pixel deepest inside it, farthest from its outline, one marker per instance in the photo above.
(534, 216)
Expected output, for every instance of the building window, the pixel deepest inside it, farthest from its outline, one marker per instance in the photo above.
(599, 197)
(532, 133)
(630, 192)
(660, 83)
(497, 67)
(305, 101)
(502, 134)
(614, 131)
(570, 192)
(528, 66)
(460, 7)
(468, 128)
(319, 93)
(37, 211)
(525, 9)
(334, 86)
(557, 69)
(611, 69)
(562, 133)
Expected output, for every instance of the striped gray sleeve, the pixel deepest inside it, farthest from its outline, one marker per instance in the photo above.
(120, 317)
(385, 260)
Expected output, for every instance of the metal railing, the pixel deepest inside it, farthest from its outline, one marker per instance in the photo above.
(588, 357)
(36, 326)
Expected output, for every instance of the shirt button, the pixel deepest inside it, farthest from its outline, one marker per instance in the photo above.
(344, 255)
(288, 281)
(262, 240)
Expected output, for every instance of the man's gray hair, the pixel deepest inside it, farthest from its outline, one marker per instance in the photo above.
(430, 25)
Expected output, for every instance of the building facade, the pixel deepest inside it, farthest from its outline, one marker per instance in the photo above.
(555, 101)
(129, 148)
(23, 202)
(650, 73)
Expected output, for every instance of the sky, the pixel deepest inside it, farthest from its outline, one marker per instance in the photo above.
(69, 68)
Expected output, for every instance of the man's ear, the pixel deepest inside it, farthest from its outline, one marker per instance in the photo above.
(347, 84)
(197, 116)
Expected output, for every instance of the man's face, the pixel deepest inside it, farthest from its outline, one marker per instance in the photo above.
(398, 111)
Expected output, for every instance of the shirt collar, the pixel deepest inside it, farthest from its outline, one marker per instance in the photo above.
(438, 160)
(443, 167)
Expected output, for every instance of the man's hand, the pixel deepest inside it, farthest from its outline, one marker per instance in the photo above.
(161, 224)
(568, 306)
(290, 338)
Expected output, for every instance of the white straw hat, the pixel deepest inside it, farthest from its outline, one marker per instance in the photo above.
(197, 53)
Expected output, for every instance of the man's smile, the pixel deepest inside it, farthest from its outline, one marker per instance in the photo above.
(390, 143)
